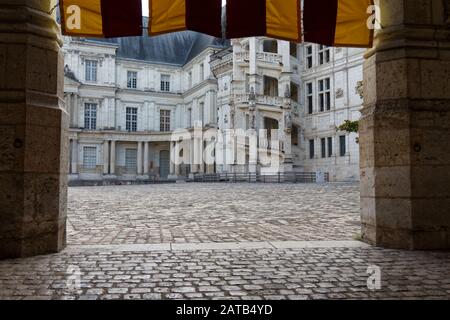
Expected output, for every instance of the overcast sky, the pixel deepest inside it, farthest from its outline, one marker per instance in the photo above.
(145, 7)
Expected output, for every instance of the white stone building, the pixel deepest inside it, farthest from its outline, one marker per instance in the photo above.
(305, 91)
(126, 97)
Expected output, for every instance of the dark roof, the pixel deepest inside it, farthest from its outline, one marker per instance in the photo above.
(175, 48)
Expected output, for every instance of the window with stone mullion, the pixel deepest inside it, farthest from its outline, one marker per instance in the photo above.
(90, 116)
(132, 80)
(324, 95)
(131, 119)
(324, 54)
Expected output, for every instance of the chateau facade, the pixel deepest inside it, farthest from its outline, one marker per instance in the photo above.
(127, 96)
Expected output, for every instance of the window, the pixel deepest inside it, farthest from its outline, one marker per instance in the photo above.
(202, 72)
(131, 160)
(91, 70)
(270, 86)
(322, 147)
(324, 94)
(311, 149)
(90, 157)
(131, 119)
(324, 54)
(342, 146)
(164, 121)
(132, 79)
(309, 56)
(293, 49)
(270, 46)
(294, 92)
(294, 136)
(165, 82)
(90, 116)
(330, 147)
(309, 97)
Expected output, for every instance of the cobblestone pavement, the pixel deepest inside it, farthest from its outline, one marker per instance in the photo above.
(312, 273)
(212, 213)
(220, 241)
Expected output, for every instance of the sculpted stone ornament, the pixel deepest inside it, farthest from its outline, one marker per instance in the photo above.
(252, 96)
(288, 122)
(232, 114)
(252, 108)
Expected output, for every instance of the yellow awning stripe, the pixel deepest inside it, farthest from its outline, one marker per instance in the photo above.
(283, 19)
(352, 24)
(167, 16)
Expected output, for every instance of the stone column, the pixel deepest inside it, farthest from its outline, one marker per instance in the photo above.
(253, 151)
(112, 159)
(74, 162)
(146, 160)
(139, 158)
(34, 125)
(172, 158)
(176, 157)
(74, 121)
(106, 157)
(288, 163)
(405, 129)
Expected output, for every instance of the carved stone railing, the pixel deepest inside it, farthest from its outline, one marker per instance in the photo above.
(260, 99)
(267, 57)
(219, 63)
(243, 56)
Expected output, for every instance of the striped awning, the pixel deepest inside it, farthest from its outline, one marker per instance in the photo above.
(344, 23)
(101, 18)
(327, 22)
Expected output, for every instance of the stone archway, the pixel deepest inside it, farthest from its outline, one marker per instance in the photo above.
(405, 155)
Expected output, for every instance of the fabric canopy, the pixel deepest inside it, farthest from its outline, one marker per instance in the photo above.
(203, 16)
(328, 22)
(273, 18)
(341, 23)
(101, 18)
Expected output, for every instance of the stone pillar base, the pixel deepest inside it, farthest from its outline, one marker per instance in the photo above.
(406, 239)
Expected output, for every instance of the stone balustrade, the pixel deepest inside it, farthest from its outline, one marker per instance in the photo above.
(243, 56)
(260, 99)
(265, 57)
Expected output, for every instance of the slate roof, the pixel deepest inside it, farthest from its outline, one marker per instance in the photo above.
(174, 48)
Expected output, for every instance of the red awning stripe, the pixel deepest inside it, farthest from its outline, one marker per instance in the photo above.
(204, 16)
(246, 18)
(122, 18)
(319, 21)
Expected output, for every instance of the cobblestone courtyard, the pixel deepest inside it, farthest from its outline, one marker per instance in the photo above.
(212, 213)
(221, 241)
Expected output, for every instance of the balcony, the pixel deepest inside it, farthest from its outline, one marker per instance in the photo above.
(243, 57)
(221, 61)
(270, 58)
(260, 100)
